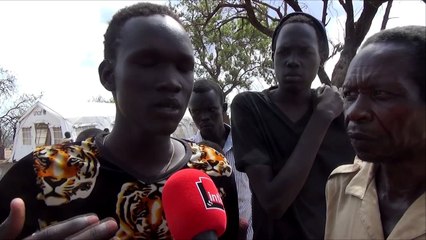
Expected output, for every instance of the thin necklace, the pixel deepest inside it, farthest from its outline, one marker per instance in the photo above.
(171, 157)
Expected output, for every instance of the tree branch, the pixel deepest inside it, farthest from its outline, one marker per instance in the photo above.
(294, 4)
(249, 70)
(363, 24)
(324, 12)
(350, 21)
(336, 49)
(220, 6)
(16, 107)
(386, 15)
(276, 9)
(253, 20)
(221, 23)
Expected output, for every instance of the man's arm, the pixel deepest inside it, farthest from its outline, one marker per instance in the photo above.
(276, 193)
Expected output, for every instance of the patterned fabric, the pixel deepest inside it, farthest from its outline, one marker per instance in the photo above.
(208, 159)
(241, 180)
(74, 179)
(65, 172)
(140, 211)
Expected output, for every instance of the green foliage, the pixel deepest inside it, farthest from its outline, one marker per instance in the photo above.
(228, 49)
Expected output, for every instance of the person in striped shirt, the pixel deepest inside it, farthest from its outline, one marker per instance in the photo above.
(207, 107)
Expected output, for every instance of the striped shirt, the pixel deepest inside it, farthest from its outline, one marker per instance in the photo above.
(241, 180)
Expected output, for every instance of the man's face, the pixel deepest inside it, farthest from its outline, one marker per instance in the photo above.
(296, 59)
(153, 73)
(207, 112)
(384, 113)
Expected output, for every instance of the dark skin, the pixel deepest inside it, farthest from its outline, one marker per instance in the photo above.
(151, 81)
(207, 112)
(296, 63)
(385, 118)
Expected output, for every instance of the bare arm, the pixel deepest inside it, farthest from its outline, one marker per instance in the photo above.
(276, 193)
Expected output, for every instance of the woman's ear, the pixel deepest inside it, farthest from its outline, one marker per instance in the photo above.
(106, 75)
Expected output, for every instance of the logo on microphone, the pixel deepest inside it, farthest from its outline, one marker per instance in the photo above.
(209, 194)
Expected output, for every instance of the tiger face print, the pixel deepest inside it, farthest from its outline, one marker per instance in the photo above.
(140, 211)
(209, 160)
(65, 172)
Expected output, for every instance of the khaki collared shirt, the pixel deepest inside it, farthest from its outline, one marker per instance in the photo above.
(353, 210)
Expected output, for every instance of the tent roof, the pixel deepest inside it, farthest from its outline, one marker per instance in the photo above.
(79, 113)
(89, 112)
(89, 109)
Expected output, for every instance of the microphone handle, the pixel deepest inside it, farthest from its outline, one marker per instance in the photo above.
(208, 235)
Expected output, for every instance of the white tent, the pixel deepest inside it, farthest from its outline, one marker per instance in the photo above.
(43, 125)
(186, 128)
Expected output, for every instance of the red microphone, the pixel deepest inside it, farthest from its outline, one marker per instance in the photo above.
(193, 206)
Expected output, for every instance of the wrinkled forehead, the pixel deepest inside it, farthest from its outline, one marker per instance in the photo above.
(386, 50)
(381, 59)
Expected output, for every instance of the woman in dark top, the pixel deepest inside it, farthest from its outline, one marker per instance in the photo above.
(289, 138)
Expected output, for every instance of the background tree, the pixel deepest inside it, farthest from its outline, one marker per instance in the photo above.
(228, 50)
(11, 108)
(257, 11)
(101, 99)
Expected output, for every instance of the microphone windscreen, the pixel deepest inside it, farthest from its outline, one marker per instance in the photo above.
(192, 205)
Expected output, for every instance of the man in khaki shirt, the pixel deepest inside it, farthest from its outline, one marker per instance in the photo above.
(353, 211)
(382, 195)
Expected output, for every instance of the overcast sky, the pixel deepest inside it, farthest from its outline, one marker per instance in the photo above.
(55, 47)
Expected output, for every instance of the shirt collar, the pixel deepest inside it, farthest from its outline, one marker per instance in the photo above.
(228, 143)
(359, 183)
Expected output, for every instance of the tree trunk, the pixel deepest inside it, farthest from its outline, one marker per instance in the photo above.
(1, 145)
(342, 65)
(355, 33)
(386, 15)
(2, 148)
(322, 75)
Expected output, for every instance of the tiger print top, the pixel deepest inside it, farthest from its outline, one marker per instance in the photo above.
(61, 181)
